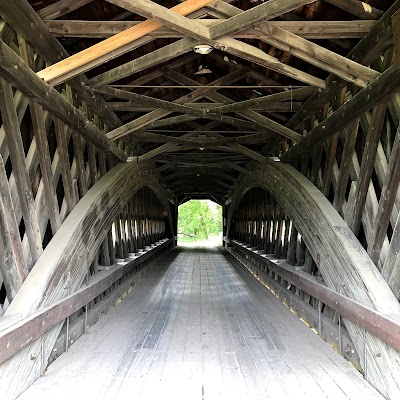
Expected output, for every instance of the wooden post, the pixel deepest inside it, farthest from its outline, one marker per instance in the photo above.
(396, 37)
(14, 269)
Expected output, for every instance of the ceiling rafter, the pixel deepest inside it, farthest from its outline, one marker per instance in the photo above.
(156, 57)
(305, 29)
(358, 8)
(144, 121)
(60, 8)
(216, 35)
(169, 146)
(268, 124)
(110, 48)
(283, 106)
(343, 67)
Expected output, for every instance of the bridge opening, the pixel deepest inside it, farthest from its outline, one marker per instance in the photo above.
(200, 223)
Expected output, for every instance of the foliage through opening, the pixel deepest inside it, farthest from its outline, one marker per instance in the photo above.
(200, 221)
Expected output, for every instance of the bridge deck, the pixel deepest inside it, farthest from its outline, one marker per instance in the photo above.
(200, 327)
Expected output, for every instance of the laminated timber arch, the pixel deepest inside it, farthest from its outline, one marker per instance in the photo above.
(339, 257)
(64, 264)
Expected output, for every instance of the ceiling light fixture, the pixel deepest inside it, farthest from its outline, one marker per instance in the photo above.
(203, 71)
(203, 49)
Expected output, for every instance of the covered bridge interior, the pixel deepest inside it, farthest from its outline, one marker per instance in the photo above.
(114, 113)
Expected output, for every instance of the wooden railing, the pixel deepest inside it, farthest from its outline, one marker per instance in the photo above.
(15, 335)
(383, 326)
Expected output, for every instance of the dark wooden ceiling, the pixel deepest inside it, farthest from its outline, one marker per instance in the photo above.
(250, 64)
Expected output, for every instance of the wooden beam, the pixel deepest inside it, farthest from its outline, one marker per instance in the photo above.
(206, 114)
(18, 73)
(391, 267)
(237, 167)
(166, 166)
(317, 55)
(355, 209)
(170, 121)
(175, 20)
(63, 155)
(378, 91)
(305, 29)
(254, 54)
(169, 146)
(262, 12)
(396, 37)
(153, 102)
(358, 8)
(274, 107)
(13, 269)
(366, 51)
(110, 48)
(350, 136)
(156, 57)
(60, 8)
(150, 137)
(311, 52)
(145, 120)
(150, 10)
(267, 123)
(241, 149)
(296, 94)
(386, 201)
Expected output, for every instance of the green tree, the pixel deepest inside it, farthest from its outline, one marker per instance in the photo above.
(197, 218)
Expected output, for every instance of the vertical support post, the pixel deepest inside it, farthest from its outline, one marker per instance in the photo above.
(13, 269)
(319, 318)
(396, 37)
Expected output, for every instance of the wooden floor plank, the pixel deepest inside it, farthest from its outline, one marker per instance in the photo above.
(199, 326)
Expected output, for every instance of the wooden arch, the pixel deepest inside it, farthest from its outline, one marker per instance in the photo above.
(63, 265)
(339, 256)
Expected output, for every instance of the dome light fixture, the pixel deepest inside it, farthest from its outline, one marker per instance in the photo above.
(203, 49)
(203, 71)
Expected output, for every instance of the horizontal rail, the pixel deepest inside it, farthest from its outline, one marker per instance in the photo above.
(15, 337)
(385, 327)
(332, 331)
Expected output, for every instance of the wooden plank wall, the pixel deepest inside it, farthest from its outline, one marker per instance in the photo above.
(45, 169)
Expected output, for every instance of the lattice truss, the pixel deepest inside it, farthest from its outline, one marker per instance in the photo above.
(46, 167)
